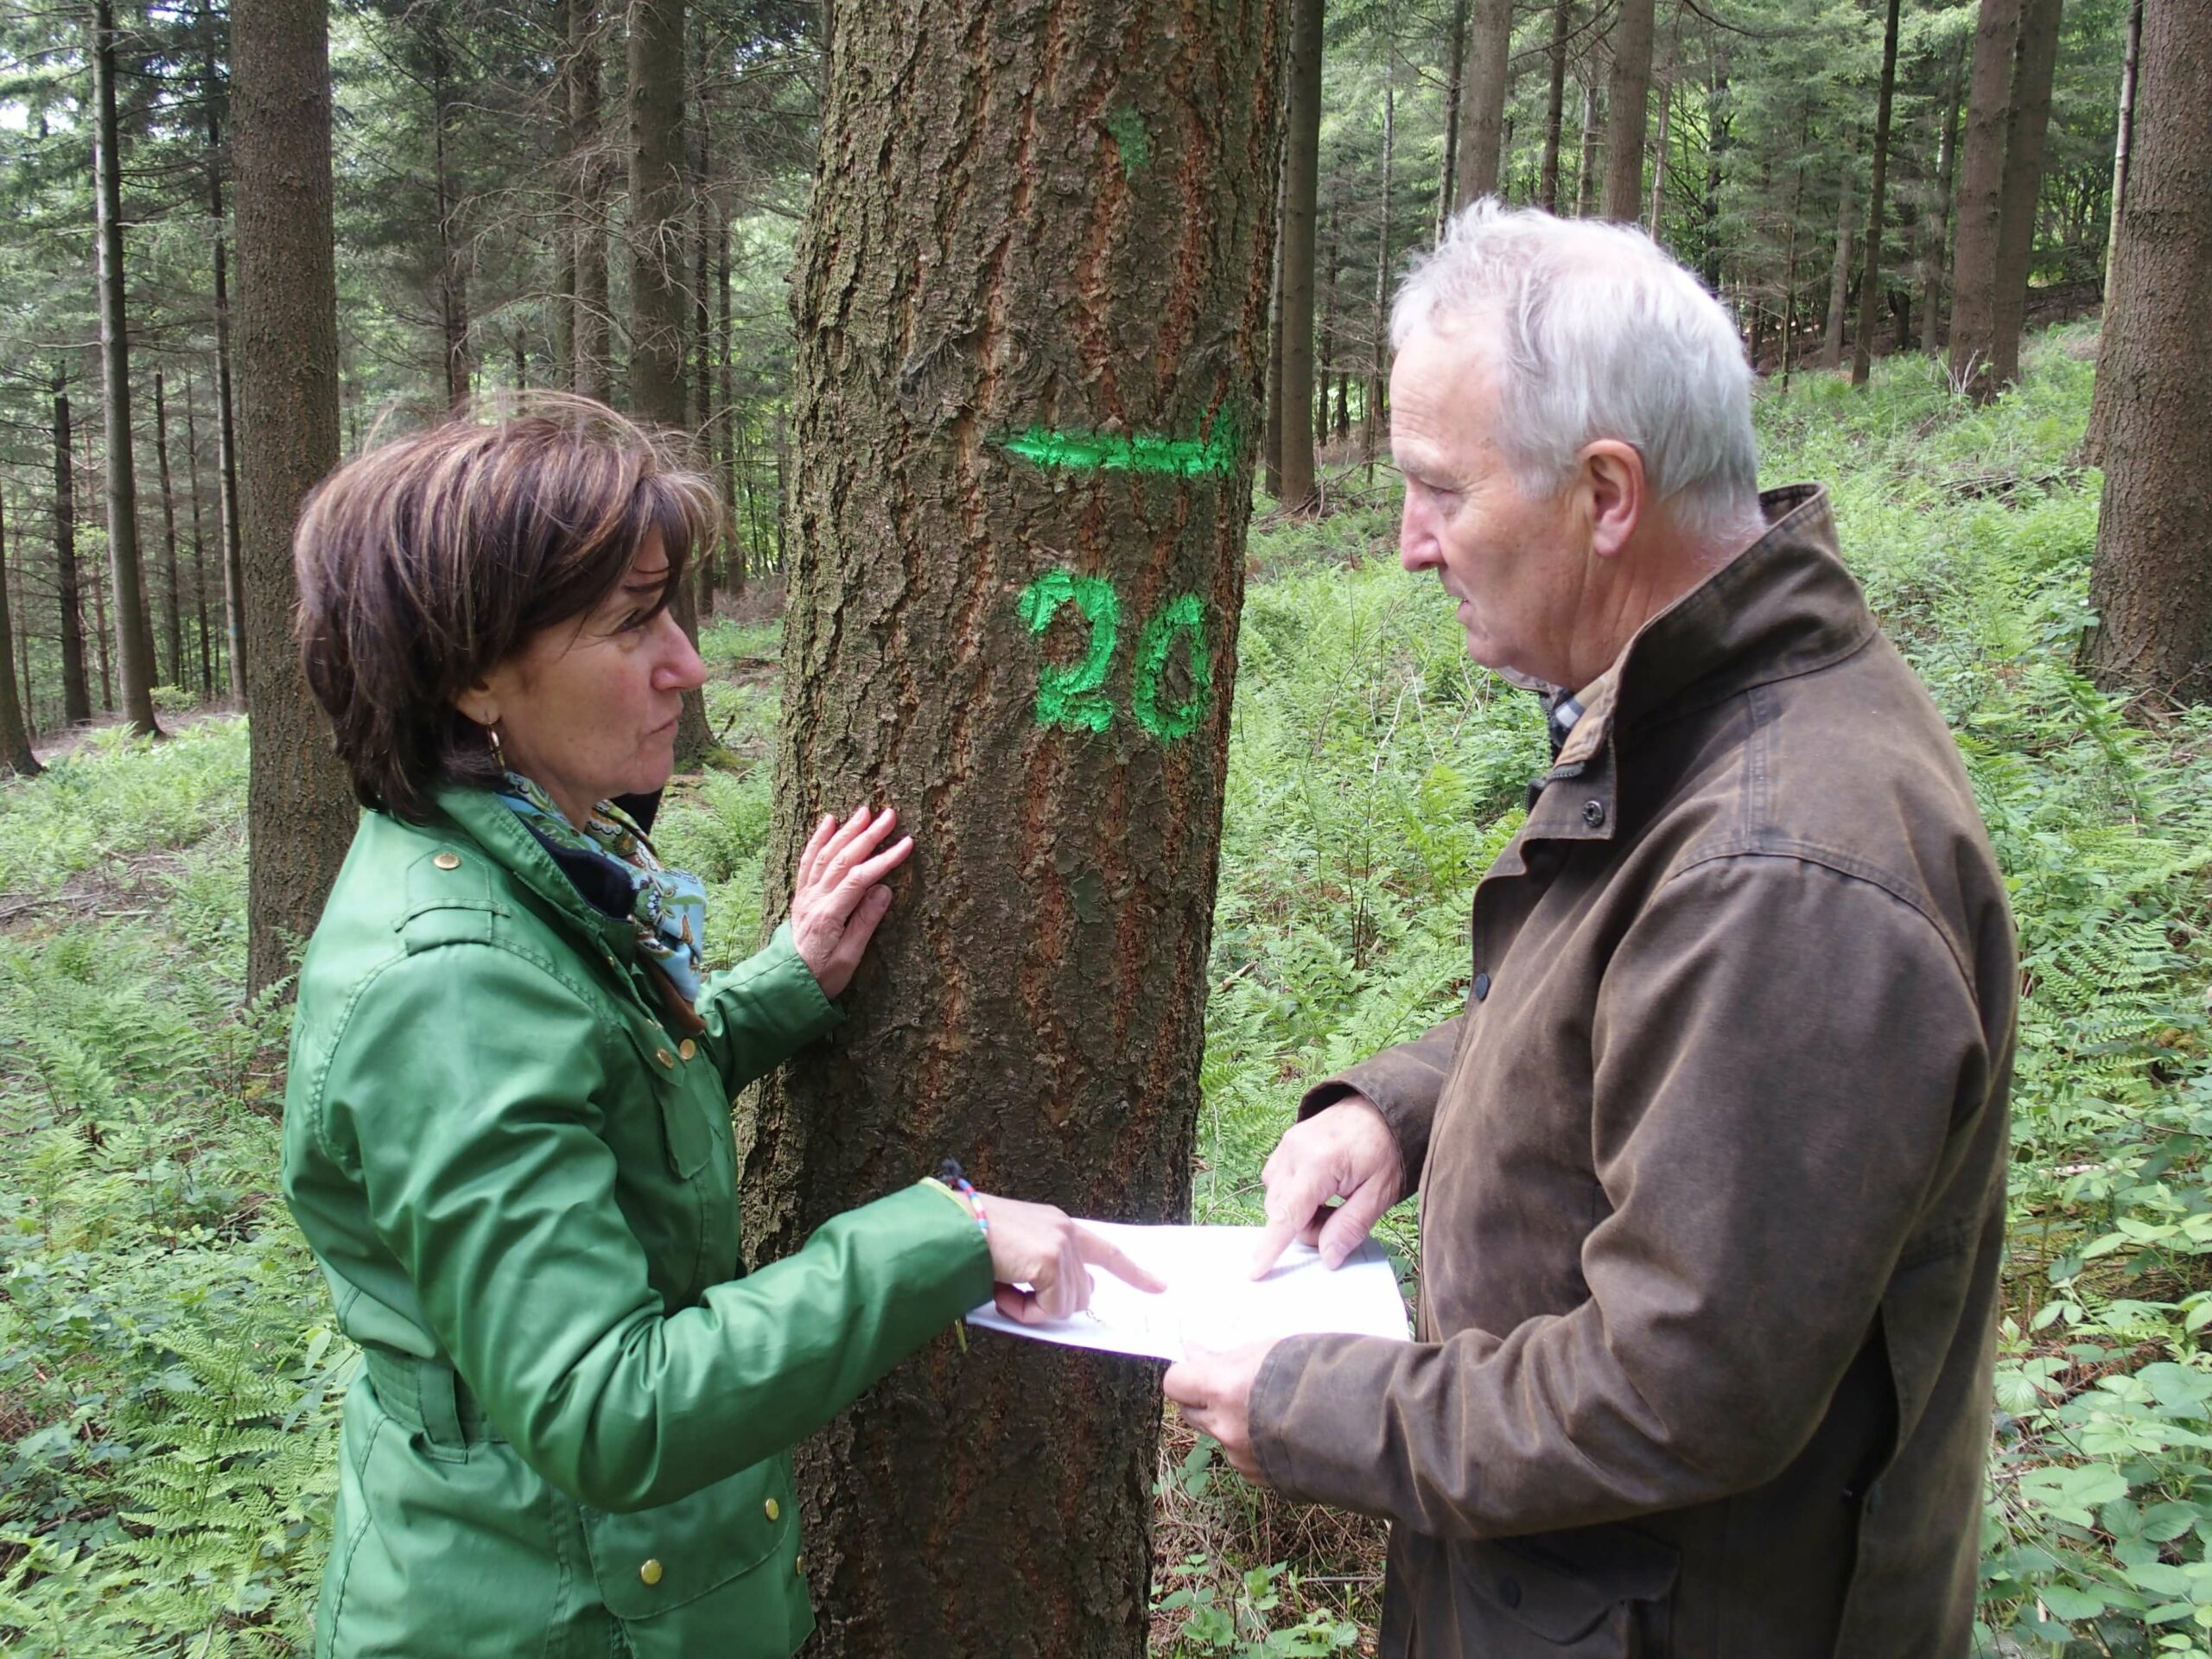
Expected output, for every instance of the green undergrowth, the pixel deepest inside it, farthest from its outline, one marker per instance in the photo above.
(168, 1371)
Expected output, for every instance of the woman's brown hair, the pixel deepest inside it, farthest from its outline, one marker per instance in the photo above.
(434, 558)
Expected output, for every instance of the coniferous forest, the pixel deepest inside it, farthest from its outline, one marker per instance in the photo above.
(1967, 247)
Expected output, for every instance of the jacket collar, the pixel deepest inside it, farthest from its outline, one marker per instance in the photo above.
(1785, 605)
(492, 825)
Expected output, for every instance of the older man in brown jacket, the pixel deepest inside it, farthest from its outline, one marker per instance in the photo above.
(1712, 1165)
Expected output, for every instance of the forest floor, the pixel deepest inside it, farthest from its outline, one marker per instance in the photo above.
(168, 1371)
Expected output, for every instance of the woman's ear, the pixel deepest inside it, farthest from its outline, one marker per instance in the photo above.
(479, 703)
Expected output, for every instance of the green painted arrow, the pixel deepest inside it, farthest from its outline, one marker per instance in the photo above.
(1140, 452)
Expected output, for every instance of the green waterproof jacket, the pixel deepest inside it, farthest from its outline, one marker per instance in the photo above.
(569, 1435)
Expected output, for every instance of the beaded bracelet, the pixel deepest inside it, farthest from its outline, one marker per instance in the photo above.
(958, 1182)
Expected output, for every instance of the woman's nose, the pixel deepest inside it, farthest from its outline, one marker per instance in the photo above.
(680, 668)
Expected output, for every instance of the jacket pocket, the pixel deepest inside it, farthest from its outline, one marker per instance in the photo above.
(1602, 1594)
(688, 1133)
(719, 1560)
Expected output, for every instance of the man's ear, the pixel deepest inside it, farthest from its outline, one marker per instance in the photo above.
(1612, 477)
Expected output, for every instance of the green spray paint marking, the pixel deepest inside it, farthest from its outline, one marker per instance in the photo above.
(1070, 696)
(1182, 615)
(1130, 139)
(1144, 452)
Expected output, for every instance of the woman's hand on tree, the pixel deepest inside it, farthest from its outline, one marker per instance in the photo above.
(840, 896)
(1037, 1245)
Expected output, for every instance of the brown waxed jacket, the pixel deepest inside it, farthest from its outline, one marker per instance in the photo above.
(1712, 1173)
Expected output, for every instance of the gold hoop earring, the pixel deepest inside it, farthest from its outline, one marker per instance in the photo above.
(499, 753)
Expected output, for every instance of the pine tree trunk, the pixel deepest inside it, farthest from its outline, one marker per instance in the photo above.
(1555, 107)
(2152, 583)
(1482, 107)
(1301, 190)
(1587, 157)
(1839, 277)
(1271, 423)
(1652, 221)
(588, 205)
(22, 613)
(1628, 97)
(1981, 196)
(725, 371)
(198, 547)
(1378, 356)
(453, 253)
(1939, 216)
(2093, 441)
(171, 603)
(1869, 281)
(76, 692)
(2032, 71)
(226, 451)
(16, 756)
(1719, 138)
(1454, 88)
(656, 298)
(133, 640)
(300, 808)
(969, 288)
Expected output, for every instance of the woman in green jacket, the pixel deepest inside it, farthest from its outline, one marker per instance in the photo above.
(507, 1132)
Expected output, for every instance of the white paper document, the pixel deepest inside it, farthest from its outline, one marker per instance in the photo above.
(1211, 1298)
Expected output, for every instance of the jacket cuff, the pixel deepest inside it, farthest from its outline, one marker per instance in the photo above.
(925, 1216)
(1295, 1418)
(773, 994)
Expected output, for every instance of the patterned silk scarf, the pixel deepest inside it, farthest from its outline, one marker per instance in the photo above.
(668, 908)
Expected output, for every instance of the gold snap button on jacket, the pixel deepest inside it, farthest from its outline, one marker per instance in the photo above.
(664, 1057)
(799, 1564)
(650, 1572)
(687, 1048)
(771, 1509)
(446, 861)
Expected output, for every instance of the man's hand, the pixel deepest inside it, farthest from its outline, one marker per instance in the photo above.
(840, 897)
(1345, 1151)
(1215, 1392)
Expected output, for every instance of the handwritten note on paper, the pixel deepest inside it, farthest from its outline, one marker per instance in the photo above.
(1212, 1298)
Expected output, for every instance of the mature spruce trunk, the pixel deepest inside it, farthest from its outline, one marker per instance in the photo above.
(1938, 219)
(15, 755)
(1482, 104)
(1301, 186)
(2152, 583)
(300, 808)
(199, 546)
(76, 691)
(588, 203)
(2033, 66)
(1838, 275)
(657, 303)
(133, 640)
(458, 355)
(1031, 336)
(172, 602)
(1378, 357)
(1653, 217)
(1981, 198)
(1454, 87)
(1628, 100)
(1586, 155)
(2093, 441)
(1870, 278)
(1555, 106)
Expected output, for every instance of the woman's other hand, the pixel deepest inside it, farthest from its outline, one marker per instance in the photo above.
(1037, 1245)
(841, 896)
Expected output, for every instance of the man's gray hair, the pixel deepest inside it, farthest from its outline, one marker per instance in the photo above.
(1600, 336)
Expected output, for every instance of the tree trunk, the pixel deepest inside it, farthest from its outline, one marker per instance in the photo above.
(657, 297)
(1022, 328)
(16, 756)
(1839, 279)
(1659, 158)
(1271, 424)
(1586, 155)
(587, 206)
(2093, 441)
(1378, 357)
(76, 692)
(2152, 583)
(300, 808)
(1981, 194)
(1482, 107)
(198, 547)
(22, 613)
(1301, 189)
(1454, 87)
(1869, 280)
(735, 545)
(133, 640)
(453, 253)
(1628, 97)
(1939, 216)
(1556, 106)
(2032, 71)
(172, 602)
(1721, 135)
(226, 451)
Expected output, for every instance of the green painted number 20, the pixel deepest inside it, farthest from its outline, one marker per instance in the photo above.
(1069, 695)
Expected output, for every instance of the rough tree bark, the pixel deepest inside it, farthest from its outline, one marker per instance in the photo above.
(1481, 103)
(133, 640)
(1301, 192)
(172, 599)
(16, 756)
(1840, 275)
(212, 88)
(1870, 277)
(2093, 443)
(1628, 97)
(1938, 218)
(2152, 583)
(299, 809)
(1555, 106)
(2008, 107)
(2033, 66)
(1031, 336)
(198, 545)
(1447, 176)
(657, 302)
